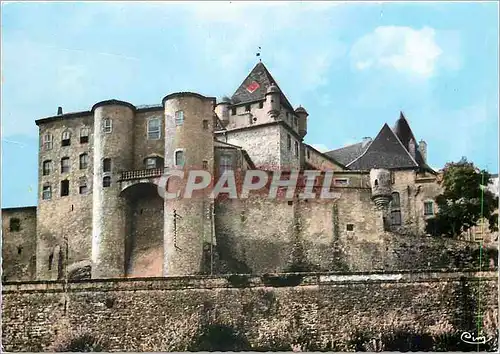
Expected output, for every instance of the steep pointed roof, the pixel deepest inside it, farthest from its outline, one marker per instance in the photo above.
(405, 134)
(255, 86)
(385, 151)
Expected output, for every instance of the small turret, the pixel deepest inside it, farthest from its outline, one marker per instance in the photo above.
(302, 114)
(273, 101)
(222, 110)
(380, 180)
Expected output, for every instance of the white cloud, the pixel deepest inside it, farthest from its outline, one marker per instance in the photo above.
(403, 49)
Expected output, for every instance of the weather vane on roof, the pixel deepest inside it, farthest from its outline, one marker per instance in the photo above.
(258, 53)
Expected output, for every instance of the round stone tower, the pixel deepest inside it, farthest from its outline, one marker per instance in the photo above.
(222, 110)
(189, 146)
(273, 101)
(113, 153)
(380, 181)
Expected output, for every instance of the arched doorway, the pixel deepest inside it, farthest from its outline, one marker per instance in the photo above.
(144, 239)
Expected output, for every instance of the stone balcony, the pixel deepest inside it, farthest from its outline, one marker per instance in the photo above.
(141, 174)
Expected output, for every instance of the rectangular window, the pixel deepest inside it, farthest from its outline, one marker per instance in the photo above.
(247, 108)
(350, 227)
(107, 125)
(308, 154)
(205, 164)
(65, 166)
(64, 188)
(261, 104)
(83, 189)
(428, 208)
(179, 158)
(84, 161)
(47, 168)
(341, 181)
(296, 148)
(396, 217)
(233, 111)
(205, 124)
(179, 118)
(84, 135)
(150, 162)
(47, 141)
(288, 142)
(46, 192)
(154, 129)
(226, 163)
(295, 121)
(106, 165)
(15, 225)
(395, 203)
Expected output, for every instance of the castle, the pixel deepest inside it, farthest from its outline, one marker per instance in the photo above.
(99, 214)
(105, 259)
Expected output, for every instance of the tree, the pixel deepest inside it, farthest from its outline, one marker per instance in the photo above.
(464, 201)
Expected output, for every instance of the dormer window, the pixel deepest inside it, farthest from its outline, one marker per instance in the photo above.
(153, 162)
(66, 138)
(107, 125)
(261, 104)
(247, 108)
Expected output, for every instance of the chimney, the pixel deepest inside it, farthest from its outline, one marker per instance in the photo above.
(59, 111)
(412, 148)
(366, 140)
(422, 147)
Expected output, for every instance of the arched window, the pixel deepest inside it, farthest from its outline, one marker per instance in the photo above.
(47, 141)
(107, 125)
(66, 138)
(84, 161)
(179, 158)
(154, 129)
(84, 135)
(106, 181)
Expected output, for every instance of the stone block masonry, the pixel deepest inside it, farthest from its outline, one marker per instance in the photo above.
(320, 310)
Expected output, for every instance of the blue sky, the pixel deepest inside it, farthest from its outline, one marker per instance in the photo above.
(352, 66)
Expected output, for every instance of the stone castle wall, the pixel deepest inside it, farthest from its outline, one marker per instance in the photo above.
(324, 311)
(18, 244)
